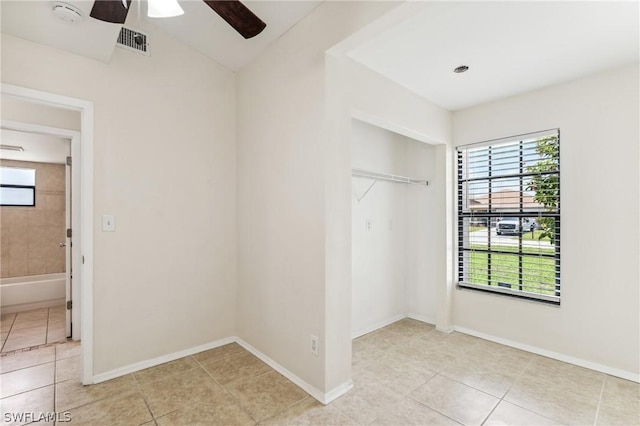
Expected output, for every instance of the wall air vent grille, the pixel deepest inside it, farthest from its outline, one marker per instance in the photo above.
(133, 40)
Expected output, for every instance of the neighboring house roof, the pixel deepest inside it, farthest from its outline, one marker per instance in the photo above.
(505, 199)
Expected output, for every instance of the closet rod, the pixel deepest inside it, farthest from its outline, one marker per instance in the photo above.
(388, 177)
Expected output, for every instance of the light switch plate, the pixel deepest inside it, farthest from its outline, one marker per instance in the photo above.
(108, 223)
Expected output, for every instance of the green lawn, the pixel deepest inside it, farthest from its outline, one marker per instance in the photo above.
(535, 237)
(538, 273)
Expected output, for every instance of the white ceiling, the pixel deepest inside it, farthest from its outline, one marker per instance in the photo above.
(199, 27)
(34, 21)
(207, 32)
(37, 148)
(510, 47)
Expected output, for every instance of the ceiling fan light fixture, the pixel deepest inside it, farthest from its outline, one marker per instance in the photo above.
(163, 9)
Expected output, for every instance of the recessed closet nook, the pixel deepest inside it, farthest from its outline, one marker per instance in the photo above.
(393, 204)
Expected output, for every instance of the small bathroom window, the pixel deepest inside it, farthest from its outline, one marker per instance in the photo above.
(17, 187)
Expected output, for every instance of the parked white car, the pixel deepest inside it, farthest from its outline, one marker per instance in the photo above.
(511, 225)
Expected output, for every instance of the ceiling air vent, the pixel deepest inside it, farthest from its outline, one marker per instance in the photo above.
(133, 40)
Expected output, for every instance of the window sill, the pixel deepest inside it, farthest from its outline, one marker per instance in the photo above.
(543, 298)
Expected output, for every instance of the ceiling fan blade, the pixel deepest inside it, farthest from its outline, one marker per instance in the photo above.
(238, 16)
(110, 11)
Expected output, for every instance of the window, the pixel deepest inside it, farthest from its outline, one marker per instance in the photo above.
(509, 216)
(17, 186)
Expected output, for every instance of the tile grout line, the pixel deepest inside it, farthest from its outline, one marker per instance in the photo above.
(274, 415)
(431, 408)
(513, 403)
(15, 317)
(436, 373)
(144, 398)
(604, 381)
(224, 387)
(509, 390)
(55, 372)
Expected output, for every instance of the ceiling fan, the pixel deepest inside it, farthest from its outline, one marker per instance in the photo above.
(234, 12)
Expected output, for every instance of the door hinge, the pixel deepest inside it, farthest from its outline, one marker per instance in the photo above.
(69, 305)
(68, 161)
(69, 233)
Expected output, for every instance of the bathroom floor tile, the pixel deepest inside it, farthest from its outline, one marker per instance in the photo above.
(34, 328)
(26, 322)
(6, 321)
(26, 359)
(37, 338)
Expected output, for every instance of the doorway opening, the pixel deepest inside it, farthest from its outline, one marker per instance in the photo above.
(81, 256)
(36, 209)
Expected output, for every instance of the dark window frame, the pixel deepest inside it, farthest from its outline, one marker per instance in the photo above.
(466, 215)
(33, 191)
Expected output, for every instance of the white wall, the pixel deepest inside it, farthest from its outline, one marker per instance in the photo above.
(392, 259)
(14, 109)
(355, 91)
(599, 318)
(165, 167)
(282, 295)
(378, 229)
(423, 247)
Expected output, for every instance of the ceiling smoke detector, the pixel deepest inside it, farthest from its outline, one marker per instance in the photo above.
(66, 12)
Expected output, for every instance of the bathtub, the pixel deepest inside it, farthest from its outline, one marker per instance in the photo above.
(32, 292)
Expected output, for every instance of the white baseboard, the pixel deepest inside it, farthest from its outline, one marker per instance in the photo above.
(366, 330)
(132, 368)
(422, 318)
(323, 398)
(12, 309)
(627, 375)
(337, 392)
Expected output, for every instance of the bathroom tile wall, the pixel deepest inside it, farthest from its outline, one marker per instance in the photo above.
(30, 236)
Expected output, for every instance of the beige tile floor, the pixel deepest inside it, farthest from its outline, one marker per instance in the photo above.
(32, 328)
(404, 374)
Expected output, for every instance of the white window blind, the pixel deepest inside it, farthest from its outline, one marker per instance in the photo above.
(509, 216)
